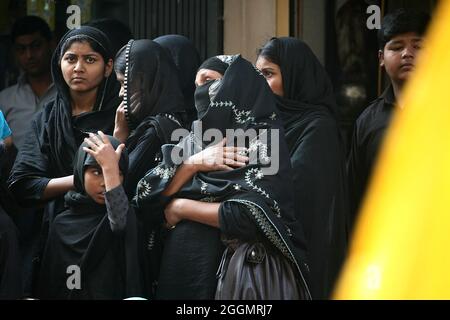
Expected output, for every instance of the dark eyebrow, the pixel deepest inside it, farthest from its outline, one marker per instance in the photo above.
(90, 54)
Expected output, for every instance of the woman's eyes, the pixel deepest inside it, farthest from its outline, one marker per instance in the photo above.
(70, 58)
(267, 74)
(96, 172)
(90, 60)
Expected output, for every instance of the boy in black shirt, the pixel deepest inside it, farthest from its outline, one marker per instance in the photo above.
(400, 40)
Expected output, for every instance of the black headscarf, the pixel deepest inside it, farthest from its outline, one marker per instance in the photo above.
(187, 60)
(214, 64)
(151, 82)
(308, 112)
(243, 101)
(78, 198)
(305, 82)
(153, 102)
(82, 236)
(63, 131)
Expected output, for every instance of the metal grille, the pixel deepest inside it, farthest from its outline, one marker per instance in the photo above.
(199, 20)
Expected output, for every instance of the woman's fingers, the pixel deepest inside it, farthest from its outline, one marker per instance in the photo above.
(234, 163)
(235, 156)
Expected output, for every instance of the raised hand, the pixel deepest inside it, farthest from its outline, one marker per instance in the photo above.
(101, 149)
(121, 129)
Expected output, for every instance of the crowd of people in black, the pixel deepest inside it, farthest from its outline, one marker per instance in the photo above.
(89, 178)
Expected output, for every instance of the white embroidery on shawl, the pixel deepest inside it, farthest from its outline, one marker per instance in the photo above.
(258, 175)
(257, 145)
(143, 189)
(240, 116)
(165, 173)
(204, 188)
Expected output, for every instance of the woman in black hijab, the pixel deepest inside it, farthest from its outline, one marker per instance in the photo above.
(92, 246)
(152, 105)
(187, 60)
(86, 101)
(306, 104)
(214, 192)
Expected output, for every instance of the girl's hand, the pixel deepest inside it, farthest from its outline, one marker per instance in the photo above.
(121, 129)
(217, 158)
(103, 152)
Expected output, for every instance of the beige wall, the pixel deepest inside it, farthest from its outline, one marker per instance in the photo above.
(248, 24)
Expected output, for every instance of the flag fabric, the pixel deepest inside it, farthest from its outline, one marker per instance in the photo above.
(401, 246)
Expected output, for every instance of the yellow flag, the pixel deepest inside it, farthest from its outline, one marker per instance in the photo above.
(401, 247)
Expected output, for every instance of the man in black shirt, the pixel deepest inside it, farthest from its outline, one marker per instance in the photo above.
(400, 40)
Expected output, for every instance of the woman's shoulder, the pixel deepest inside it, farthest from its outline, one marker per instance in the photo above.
(321, 119)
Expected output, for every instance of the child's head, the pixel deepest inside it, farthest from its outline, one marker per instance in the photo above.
(400, 40)
(88, 175)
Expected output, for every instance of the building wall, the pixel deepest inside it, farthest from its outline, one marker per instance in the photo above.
(248, 24)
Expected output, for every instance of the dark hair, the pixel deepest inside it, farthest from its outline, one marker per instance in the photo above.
(270, 51)
(28, 25)
(402, 21)
(96, 46)
(118, 33)
(120, 60)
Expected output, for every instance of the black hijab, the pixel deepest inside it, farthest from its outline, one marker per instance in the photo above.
(78, 198)
(65, 132)
(242, 100)
(308, 111)
(305, 82)
(151, 82)
(187, 60)
(152, 95)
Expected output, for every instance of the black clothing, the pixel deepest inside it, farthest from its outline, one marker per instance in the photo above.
(187, 60)
(214, 64)
(154, 105)
(100, 240)
(308, 112)
(367, 139)
(55, 134)
(10, 267)
(243, 101)
(53, 139)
